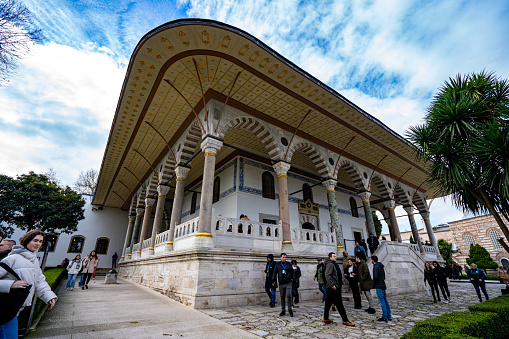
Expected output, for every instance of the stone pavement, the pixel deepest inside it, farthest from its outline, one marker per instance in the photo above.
(126, 310)
(307, 322)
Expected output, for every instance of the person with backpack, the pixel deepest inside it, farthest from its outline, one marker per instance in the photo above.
(269, 288)
(333, 282)
(284, 273)
(319, 277)
(478, 279)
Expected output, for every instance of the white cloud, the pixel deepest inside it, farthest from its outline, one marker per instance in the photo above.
(58, 110)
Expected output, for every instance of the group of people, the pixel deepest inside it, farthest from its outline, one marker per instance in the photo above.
(330, 281)
(435, 276)
(86, 267)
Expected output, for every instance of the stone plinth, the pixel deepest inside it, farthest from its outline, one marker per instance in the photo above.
(215, 278)
(111, 278)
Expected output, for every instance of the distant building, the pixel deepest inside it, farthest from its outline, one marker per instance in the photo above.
(442, 231)
(482, 230)
(100, 231)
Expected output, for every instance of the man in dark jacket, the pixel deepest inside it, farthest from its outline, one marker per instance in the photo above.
(6, 247)
(333, 283)
(359, 251)
(296, 284)
(379, 285)
(478, 279)
(365, 283)
(319, 277)
(284, 273)
(372, 243)
(269, 288)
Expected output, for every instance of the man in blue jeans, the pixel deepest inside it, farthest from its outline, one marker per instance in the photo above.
(319, 276)
(381, 288)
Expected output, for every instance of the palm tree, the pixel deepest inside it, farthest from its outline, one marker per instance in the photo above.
(465, 137)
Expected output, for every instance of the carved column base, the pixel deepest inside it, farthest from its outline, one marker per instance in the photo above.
(168, 247)
(150, 251)
(203, 240)
(287, 247)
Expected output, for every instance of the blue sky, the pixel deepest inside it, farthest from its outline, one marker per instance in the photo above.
(389, 57)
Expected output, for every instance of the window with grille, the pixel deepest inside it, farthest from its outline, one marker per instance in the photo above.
(101, 246)
(469, 240)
(353, 208)
(76, 244)
(494, 236)
(268, 188)
(50, 240)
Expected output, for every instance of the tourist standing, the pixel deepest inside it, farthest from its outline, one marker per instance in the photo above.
(114, 259)
(73, 269)
(23, 260)
(365, 246)
(6, 247)
(333, 283)
(351, 275)
(359, 251)
(95, 265)
(87, 272)
(365, 283)
(296, 282)
(441, 277)
(319, 277)
(373, 243)
(429, 276)
(269, 272)
(503, 275)
(381, 288)
(283, 272)
(478, 279)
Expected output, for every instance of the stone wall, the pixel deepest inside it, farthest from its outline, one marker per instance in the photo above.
(214, 278)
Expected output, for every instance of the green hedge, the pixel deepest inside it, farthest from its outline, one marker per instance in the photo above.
(485, 320)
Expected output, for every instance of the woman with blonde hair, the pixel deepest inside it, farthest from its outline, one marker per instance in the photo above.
(88, 270)
(23, 261)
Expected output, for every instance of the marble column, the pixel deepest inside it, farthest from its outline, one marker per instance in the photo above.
(391, 204)
(136, 229)
(387, 220)
(149, 202)
(176, 211)
(367, 211)
(162, 191)
(429, 229)
(415, 232)
(330, 185)
(281, 169)
(210, 146)
(128, 235)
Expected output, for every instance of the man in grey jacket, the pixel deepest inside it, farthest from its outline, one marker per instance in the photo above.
(333, 282)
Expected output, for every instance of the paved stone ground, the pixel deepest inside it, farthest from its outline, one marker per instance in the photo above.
(307, 322)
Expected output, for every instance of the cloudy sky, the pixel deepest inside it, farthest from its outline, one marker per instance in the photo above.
(389, 57)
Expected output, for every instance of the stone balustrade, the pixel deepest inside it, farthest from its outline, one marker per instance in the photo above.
(162, 238)
(427, 249)
(245, 228)
(146, 243)
(303, 235)
(186, 229)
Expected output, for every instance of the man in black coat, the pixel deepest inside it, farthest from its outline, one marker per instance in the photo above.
(285, 274)
(372, 243)
(381, 288)
(333, 283)
(269, 288)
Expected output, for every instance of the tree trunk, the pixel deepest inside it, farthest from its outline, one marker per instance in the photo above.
(496, 215)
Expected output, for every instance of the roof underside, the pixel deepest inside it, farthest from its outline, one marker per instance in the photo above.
(270, 88)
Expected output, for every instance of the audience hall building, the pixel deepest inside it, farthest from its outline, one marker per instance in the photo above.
(212, 124)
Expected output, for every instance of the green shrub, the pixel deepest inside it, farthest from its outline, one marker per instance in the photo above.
(488, 277)
(459, 325)
(498, 305)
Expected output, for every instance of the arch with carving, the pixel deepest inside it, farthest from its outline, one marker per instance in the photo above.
(167, 168)
(313, 154)
(381, 185)
(153, 181)
(401, 196)
(191, 141)
(351, 169)
(419, 202)
(258, 129)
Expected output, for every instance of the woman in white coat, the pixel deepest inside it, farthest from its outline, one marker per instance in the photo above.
(23, 260)
(73, 269)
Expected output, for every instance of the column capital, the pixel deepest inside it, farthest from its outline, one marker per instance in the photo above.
(365, 196)
(140, 211)
(409, 209)
(149, 202)
(330, 185)
(132, 218)
(211, 146)
(163, 190)
(281, 168)
(424, 214)
(390, 204)
(181, 172)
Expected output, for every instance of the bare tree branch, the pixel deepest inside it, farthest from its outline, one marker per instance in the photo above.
(87, 181)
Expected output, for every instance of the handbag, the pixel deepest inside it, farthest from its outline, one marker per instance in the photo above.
(13, 301)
